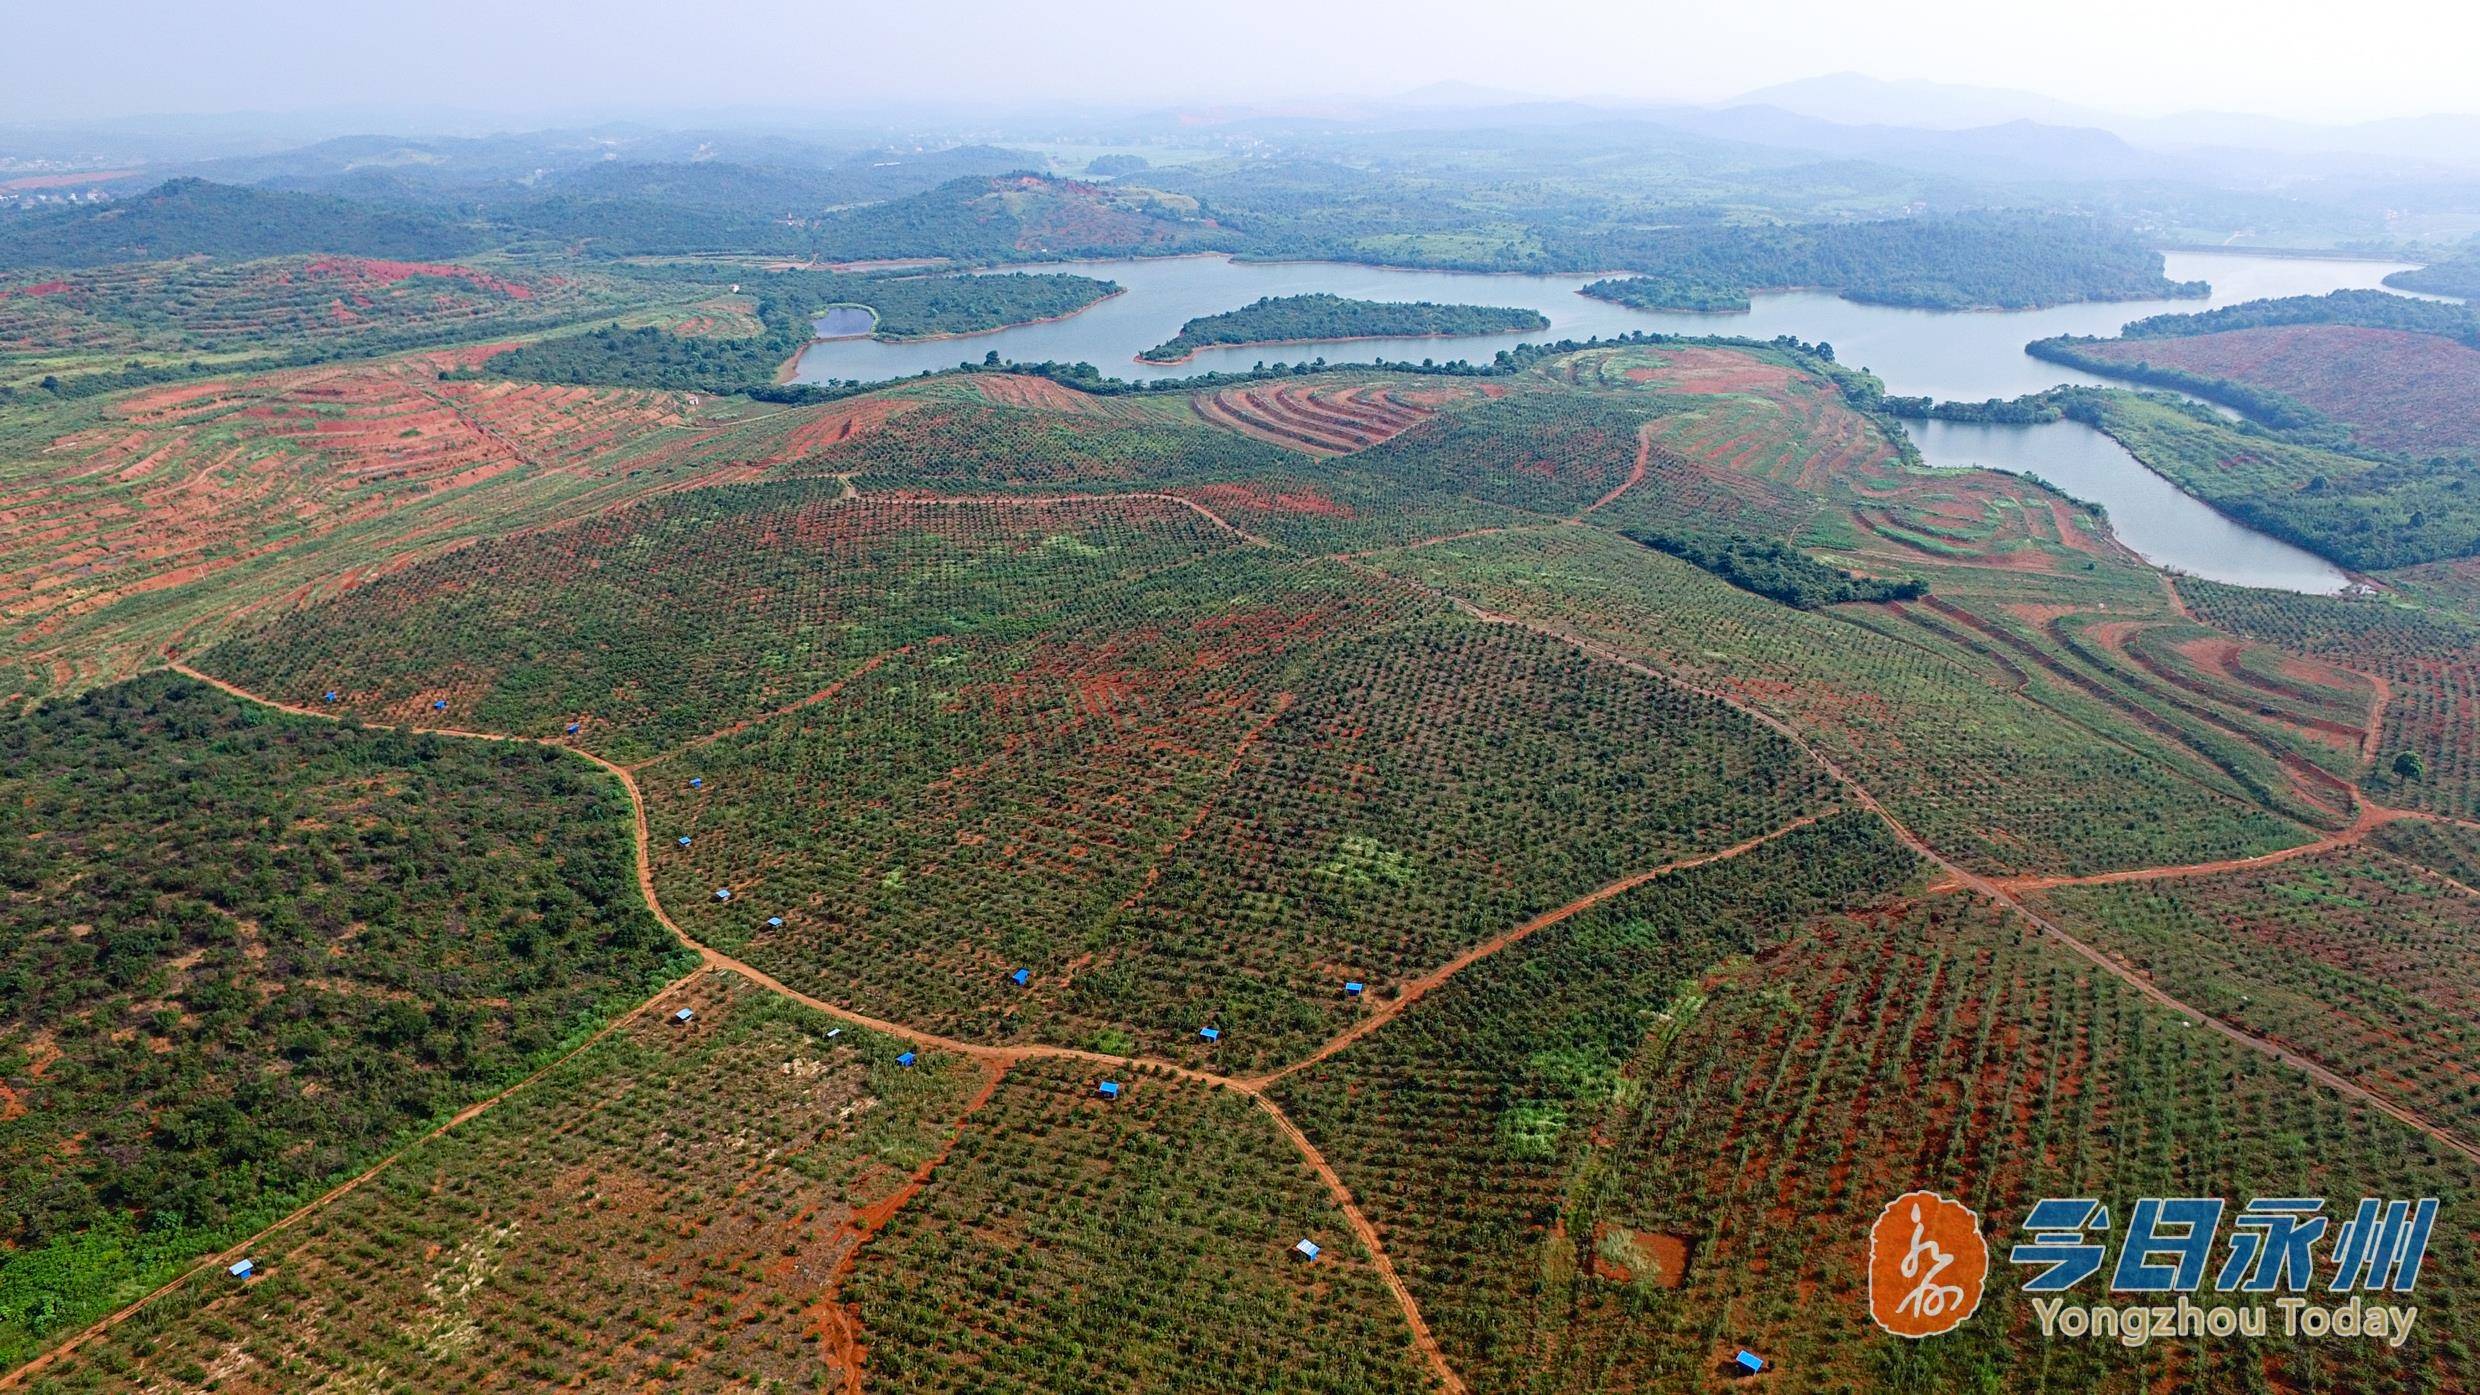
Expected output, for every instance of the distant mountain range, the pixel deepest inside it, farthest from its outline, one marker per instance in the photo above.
(1855, 98)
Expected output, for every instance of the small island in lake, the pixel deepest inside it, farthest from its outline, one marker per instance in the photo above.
(1304, 319)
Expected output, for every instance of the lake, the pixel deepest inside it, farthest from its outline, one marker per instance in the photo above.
(1950, 355)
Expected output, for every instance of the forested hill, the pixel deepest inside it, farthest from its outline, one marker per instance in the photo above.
(1304, 318)
(2366, 309)
(1020, 216)
(2456, 275)
(191, 217)
(2005, 261)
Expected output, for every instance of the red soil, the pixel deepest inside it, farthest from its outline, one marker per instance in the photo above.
(368, 272)
(1325, 419)
(2398, 390)
(1250, 498)
(1713, 370)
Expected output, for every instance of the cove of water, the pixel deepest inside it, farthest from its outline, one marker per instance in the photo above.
(2165, 525)
(1950, 355)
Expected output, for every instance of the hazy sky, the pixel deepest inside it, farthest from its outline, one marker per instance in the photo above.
(554, 57)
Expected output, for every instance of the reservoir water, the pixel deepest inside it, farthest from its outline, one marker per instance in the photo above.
(1950, 355)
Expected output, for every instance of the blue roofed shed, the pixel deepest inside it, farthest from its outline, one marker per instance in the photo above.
(1210, 1033)
(1749, 1361)
(905, 1060)
(1306, 1249)
(1353, 989)
(1021, 977)
(1108, 1089)
(243, 1269)
(683, 1015)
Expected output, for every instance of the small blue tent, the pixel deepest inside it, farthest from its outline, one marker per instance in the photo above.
(1108, 1089)
(331, 697)
(439, 705)
(1021, 977)
(697, 782)
(1749, 1361)
(1306, 1249)
(684, 840)
(243, 1269)
(683, 1015)
(1353, 989)
(1210, 1033)
(905, 1060)
(774, 922)
(723, 893)
(573, 726)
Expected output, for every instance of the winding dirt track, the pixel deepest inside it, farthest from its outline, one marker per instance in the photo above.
(1969, 880)
(1636, 475)
(998, 1059)
(1413, 991)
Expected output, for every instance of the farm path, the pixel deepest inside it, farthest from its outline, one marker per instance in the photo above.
(1636, 474)
(822, 695)
(1413, 991)
(2370, 818)
(1964, 877)
(839, 1325)
(845, 1338)
(1080, 497)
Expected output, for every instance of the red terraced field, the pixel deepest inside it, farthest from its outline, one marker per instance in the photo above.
(1328, 418)
(257, 309)
(684, 617)
(153, 506)
(2397, 390)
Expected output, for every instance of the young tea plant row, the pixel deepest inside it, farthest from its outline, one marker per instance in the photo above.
(1212, 803)
(1657, 1134)
(655, 625)
(2429, 659)
(1139, 1243)
(2350, 958)
(1991, 780)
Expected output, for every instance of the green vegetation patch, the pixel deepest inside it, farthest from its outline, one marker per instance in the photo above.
(2008, 261)
(1310, 318)
(242, 953)
(1777, 570)
(2362, 513)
